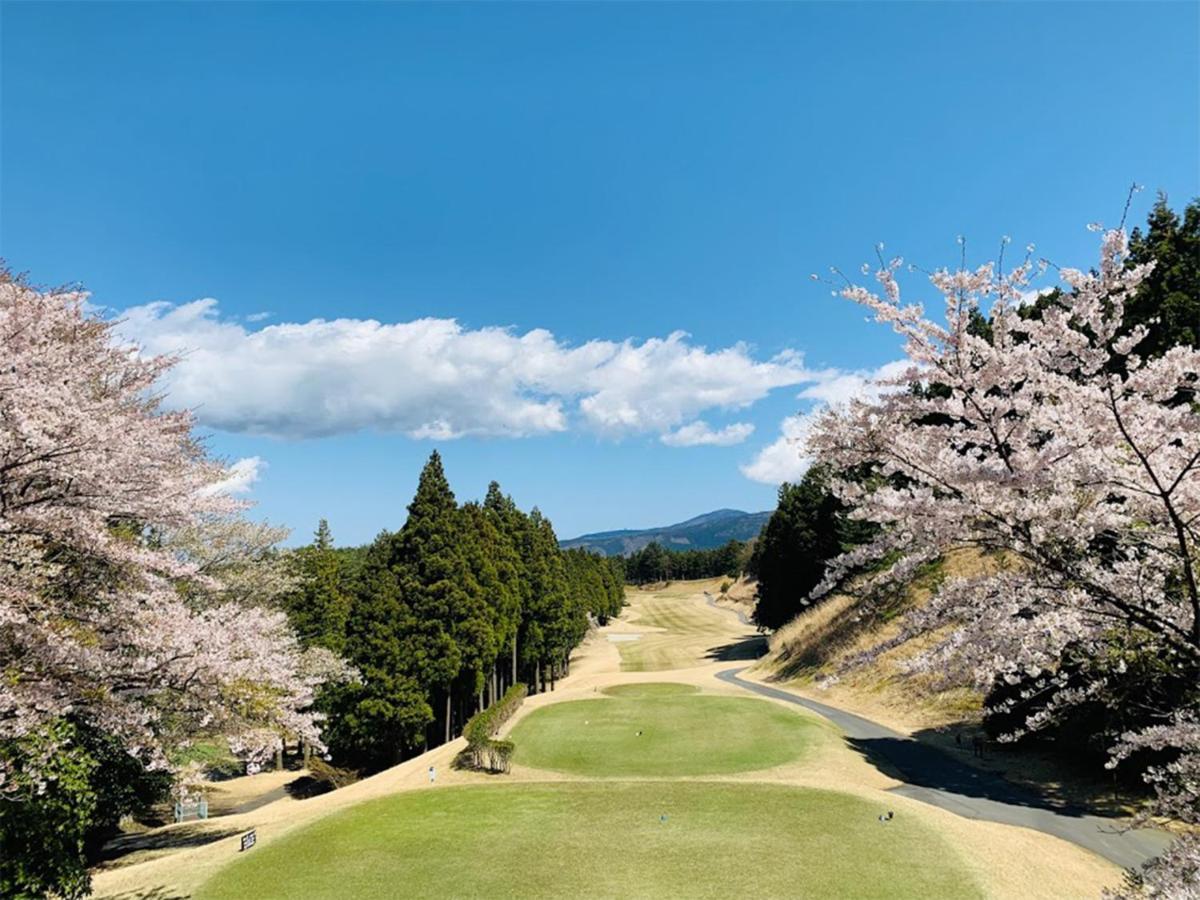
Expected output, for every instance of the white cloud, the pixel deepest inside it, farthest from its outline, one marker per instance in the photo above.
(784, 458)
(433, 378)
(239, 477)
(835, 386)
(1031, 295)
(699, 433)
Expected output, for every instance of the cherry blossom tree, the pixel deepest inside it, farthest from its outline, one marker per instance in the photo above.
(1047, 442)
(99, 619)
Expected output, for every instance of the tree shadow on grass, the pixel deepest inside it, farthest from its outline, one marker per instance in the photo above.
(113, 854)
(922, 765)
(156, 893)
(751, 646)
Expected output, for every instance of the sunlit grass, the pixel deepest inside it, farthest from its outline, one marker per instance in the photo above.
(616, 839)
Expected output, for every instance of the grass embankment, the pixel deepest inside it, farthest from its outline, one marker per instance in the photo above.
(817, 644)
(604, 840)
(661, 730)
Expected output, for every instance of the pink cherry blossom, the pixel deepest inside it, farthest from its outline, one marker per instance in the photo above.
(100, 617)
(1056, 450)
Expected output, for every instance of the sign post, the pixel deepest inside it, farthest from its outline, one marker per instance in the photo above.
(248, 840)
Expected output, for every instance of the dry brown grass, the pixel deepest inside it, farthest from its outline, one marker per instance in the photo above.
(820, 643)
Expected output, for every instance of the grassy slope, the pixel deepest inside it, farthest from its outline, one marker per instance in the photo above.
(817, 643)
(579, 839)
(682, 733)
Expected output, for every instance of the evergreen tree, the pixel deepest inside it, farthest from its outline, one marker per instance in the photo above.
(479, 625)
(510, 528)
(1168, 301)
(319, 610)
(376, 721)
(802, 535)
(433, 579)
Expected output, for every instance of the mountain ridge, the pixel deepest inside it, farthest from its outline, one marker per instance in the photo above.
(702, 532)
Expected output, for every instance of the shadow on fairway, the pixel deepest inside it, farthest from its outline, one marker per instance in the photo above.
(752, 646)
(158, 893)
(111, 856)
(917, 764)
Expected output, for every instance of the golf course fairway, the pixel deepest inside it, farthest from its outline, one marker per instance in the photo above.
(612, 839)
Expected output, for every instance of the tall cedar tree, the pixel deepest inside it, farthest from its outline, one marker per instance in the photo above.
(433, 578)
(376, 721)
(510, 525)
(481, 628)
(801, 536)
(1171, 293)
(319, 610)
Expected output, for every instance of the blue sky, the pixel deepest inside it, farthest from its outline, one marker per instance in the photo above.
(592, 178)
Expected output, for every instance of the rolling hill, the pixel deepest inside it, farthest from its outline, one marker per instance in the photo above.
(699, 533)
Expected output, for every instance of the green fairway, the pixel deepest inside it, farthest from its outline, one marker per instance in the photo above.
(682, 733)
(603, 840)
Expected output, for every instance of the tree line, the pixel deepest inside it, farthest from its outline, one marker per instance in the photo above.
(655, 563)
(441, 617)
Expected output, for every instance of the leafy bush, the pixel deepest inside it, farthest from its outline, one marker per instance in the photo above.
(499, 755)
(482, 751)
(330, 775)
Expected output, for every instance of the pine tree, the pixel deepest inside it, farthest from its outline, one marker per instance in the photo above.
(320, 608)
(377, 720)
(1168, 301)
(801, 536)
(432, 573)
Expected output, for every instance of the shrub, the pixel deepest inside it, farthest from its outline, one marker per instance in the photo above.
(482, 751)
(499, 755)
(330, 775)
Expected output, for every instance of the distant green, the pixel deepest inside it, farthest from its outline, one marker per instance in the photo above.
(604, 840)
(683, 733)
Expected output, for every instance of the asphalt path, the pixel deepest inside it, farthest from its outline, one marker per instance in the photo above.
(935, 777)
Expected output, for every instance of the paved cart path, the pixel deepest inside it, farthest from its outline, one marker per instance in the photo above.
(933, 777)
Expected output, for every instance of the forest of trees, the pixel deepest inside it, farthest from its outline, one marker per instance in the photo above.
(655, 563)
(442, 616)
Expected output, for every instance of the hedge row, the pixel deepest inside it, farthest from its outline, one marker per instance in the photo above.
(481, 728)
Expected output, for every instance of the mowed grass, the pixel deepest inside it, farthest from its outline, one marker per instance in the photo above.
(576, 839)
(682, 733)
(693, 632)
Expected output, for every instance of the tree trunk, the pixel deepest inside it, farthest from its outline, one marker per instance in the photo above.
(447, 716)
(279, 759)
(514, 659)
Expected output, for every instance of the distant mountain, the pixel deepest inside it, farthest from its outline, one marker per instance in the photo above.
(700, 533)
